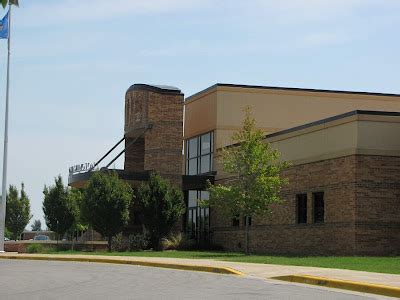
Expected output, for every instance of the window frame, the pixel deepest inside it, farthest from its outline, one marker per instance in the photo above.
(200, 156)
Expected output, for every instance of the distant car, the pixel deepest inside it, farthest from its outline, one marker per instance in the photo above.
(41, 238)
(6, 239)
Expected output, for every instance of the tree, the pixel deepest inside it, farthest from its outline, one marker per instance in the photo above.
(162, 206)
(36, 226)
(18, 211)
(105, 204)
(76, 198)
(58, 208)
(6, 2)
(255, 169)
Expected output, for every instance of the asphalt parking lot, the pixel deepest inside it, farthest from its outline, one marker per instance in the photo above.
(76, 280)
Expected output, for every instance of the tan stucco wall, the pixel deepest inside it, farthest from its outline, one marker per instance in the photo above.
(221, 109)
(379, 136)
(358, 134)
(200, 115)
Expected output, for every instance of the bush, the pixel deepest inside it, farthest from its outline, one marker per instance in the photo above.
(178, 241)
(162, 205)
(39, 248)
(35, 248)
(138, 242)
(172, 242)
(119, 243)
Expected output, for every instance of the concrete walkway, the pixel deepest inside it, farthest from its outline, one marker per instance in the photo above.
(264, 271)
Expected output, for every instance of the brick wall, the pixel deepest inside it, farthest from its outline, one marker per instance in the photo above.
(337, 178)
(161, 147)
(134, 155)
(163, 143)
(362, 210)
(378, 205)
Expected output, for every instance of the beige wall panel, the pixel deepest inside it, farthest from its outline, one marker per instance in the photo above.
(277, 111)
(382, 136)
(200, 115)
(285, 110)
(321, 144)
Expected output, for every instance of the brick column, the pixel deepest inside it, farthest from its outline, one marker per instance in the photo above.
(160, 148)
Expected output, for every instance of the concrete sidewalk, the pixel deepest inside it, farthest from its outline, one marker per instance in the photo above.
(264, 271)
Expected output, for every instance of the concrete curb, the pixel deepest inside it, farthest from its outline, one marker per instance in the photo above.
(343, 284)
(199, 268)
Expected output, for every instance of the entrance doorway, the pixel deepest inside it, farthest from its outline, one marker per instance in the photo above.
(197, 217)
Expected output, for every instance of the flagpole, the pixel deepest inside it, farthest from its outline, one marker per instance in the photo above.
(4, 184)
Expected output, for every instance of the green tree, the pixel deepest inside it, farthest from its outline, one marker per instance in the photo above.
(76, 198)
(18, 211)
(58, 208)
(105, 204)
(255, 169)
(162, 206)
(36, 226)
(6, 2)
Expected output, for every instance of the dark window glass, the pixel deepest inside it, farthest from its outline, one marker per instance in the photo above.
(244, 221)
(204, 195)
(205, 164)
(192, 166)
(235, 221)
(199, 154)
(205, 143)
(206, 219)
(198, 217)
(302, 208)
(192, 199)
(212, 141)
(193, 151)
(318, 207)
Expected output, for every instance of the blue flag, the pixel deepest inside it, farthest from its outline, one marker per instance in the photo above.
(4, 27)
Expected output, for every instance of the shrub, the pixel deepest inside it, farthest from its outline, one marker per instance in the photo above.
(138, 242)
(119, 243)
(162, 205)
(35, 248)
(172, 242)
(178, 241)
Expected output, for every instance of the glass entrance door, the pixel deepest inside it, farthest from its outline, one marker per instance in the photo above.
(198, 218)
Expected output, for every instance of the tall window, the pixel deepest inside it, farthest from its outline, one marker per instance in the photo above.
(319, 207)
(301, 200)
(199, 154)
(198, 217)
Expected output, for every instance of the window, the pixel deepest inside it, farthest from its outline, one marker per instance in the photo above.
(199, 154)
(318, 207)
(301, 200)
(244, 221)
(198, 217)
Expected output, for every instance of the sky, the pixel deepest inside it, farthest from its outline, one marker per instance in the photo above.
(72, 62)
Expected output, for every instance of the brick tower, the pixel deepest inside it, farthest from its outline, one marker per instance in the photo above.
(154, 130)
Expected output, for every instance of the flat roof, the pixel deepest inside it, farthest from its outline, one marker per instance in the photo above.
(244, 86)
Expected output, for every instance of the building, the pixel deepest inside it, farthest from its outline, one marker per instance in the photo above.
(343, 196)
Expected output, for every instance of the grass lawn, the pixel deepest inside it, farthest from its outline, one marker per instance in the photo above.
(390, 265)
